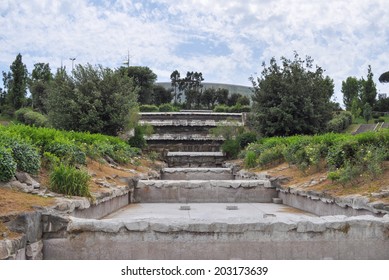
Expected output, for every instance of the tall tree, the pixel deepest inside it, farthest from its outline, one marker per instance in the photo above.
(144, 78)
(175, 81)
(39, 86)
(368, 92)
(350, 90)
(16, 83)
(161, 95)
(292, 98)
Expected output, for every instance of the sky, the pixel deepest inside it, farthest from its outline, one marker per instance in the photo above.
(226, 40)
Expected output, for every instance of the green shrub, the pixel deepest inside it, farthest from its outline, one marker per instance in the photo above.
(246, 138)
(148, 108)
(239, 109)
(69, 180)
(272, 156)
(138, 139)
(49, 160)
(35, 119)
(67, 151)
(26, 157)
(19, 114)
(7, 165)
(250, 159)
(231, 148)
(167, 107)
(340, 122)
(221, 109)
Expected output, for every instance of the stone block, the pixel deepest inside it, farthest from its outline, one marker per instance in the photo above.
(34, 251)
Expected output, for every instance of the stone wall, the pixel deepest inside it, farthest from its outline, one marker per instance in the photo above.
(331, 237)
(203, 191)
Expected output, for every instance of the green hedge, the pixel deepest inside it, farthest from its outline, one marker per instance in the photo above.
(7, 165)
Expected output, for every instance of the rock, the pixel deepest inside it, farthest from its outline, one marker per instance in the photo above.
(21, 186)
(277, 200)
(4, 250)
(34, 251)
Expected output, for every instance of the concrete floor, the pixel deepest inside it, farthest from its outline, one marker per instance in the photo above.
(209, 212)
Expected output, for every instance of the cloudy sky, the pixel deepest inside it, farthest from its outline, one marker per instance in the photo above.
(226, 40)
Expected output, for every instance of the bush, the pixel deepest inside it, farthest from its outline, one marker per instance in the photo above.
(231, 148)
(272, 156)
(250, 159)
(19, 114)
(68, 152)
(26, 157)
(7, 165)
(246, 138)
(50, 161)
(36, 119)
(148, 108)
(340, 122)
(167, 107)
(220, 109)
(138, 139)
(68, 180)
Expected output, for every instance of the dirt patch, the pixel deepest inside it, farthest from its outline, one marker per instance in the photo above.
(12, 201)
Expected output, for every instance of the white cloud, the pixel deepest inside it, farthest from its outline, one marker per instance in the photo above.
(342, 36)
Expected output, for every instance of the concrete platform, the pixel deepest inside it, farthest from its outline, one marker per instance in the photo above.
(197, 174)
(208, 212)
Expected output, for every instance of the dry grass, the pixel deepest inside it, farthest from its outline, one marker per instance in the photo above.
(363, 186)
(13, 202)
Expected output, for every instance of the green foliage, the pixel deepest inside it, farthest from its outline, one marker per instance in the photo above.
(98, 100)
(271, 156)
(384, 77)
(148, 108)
(19, 114)
(167, 108)
(221, 109)
(138, 139)
(38, 85)
(246, 138)
(67, 151)
(340, 122)
(16, 83)
(26, 157)
(233, 109)
(7, 165)
(250, 159)
(350, 90)
(69, 180)
(292, 99)
(231, 148)
(367, 112)
(50, 160)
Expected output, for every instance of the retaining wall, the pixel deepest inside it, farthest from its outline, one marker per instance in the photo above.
(332, 237)
(172, 191)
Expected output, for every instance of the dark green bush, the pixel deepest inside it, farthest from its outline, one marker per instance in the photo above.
(7, 165)
(231, 148)
(221, 109)
(271, 156)
(167, 107)
(26, 157)
(19, 114)
(148, 108)
(69, 180)
(340, 122)
(138, 139)
(246, 138)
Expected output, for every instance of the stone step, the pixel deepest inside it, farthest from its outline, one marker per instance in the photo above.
(183, 137)
(190, 116)
(195, 159)
(204, 191)
(197, 174)
(190, 123)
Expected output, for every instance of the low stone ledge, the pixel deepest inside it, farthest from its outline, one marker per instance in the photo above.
(349, 205)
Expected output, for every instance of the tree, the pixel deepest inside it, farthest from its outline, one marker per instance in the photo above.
(175, 81)
(16, 83)
(98, 100)
(384, 78)
(355, 108)
(144, 78)
(243, 100)
(161, 95)
(208, 98)
(292, 98)
(233, 99)
(222, 96)
(39, 86)
(350, 90)
(368, 92)
(367, 112)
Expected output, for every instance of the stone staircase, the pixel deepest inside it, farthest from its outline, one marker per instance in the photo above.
(196, 173)
(184, 138)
